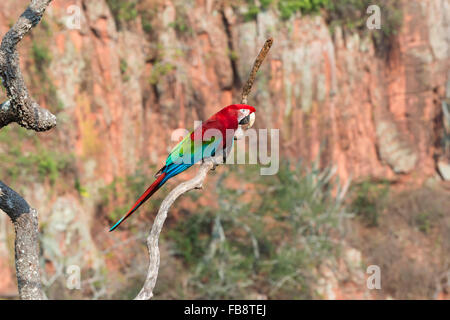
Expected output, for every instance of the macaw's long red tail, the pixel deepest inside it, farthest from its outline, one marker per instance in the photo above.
(145, 196)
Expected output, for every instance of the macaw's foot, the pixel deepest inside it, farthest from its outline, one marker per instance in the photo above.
(213, 161)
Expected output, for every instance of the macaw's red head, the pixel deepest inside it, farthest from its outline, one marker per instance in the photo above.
(245, 114)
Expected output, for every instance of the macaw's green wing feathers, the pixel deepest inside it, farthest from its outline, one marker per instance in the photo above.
(180, 144)
(180, 149)
(190, 151)
(186, 154)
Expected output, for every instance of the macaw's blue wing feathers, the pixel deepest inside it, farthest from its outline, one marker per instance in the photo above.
(173, 169)
(177, 163)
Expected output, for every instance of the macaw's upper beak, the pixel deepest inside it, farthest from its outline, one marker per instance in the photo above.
(252, 119)
(248, 121)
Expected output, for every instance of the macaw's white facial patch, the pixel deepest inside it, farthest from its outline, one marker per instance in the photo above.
(247, 121)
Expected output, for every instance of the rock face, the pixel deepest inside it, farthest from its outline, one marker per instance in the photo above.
(125, 90)
(374, 117)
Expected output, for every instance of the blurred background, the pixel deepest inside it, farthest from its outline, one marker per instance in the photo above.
(364, 119)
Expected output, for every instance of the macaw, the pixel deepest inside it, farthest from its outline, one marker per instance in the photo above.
(209, 140)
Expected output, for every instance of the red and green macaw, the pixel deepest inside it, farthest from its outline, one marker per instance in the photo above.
(207, 141)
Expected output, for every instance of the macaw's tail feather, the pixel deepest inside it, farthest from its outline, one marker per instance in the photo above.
(147, 194)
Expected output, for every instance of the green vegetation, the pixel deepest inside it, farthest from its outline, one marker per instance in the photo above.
(351, 15)
(49, 164)
(124, 70)
(408, 222)
(123, 11)
(268, 239)
(146, 21)
(348, 14)
(41, 56)
(233, 54)
(446, 131)
(181, 23)
(159, 70)
(370, 197)
(423, 222)
(126, 11)
(41, 162)
(40, 79)
(123, 66)
(82, 191)
(251, 13)
(287, 8)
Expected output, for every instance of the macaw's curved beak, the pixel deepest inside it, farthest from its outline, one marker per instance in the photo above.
(248, 121)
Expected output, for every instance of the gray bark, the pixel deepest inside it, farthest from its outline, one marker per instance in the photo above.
(25, 222)
(146, 292)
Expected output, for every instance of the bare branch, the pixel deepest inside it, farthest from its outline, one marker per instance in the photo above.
(152, 240)
(20, 107)
(259, 60)
(146, 292)
(25, 222)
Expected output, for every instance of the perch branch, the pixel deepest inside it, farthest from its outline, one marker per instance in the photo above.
(152, 240)
(146, 292)
(20, 107)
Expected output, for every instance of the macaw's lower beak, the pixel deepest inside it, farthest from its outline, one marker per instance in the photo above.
(245, 120)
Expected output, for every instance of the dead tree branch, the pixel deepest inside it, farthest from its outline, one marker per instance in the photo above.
(146, 292)
(25, 222)
(22, 109)
(258, 61)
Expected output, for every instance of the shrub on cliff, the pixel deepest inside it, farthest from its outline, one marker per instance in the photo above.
(266, 237)
(123, 11)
